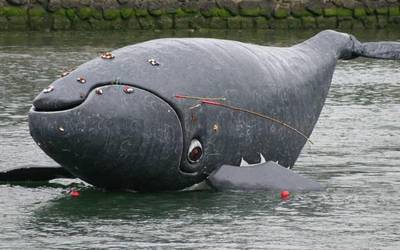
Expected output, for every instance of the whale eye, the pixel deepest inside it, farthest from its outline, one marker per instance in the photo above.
(195, 151)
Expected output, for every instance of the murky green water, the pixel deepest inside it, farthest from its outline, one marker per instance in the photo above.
(356, 154)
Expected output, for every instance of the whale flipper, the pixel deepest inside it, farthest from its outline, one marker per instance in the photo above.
(266, 176)
(34, 173)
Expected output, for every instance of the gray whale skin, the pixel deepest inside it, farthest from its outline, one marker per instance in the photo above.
(170, 113)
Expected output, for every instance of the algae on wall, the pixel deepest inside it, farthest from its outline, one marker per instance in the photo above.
(197, 14)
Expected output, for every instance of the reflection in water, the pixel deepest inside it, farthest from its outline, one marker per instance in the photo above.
(177, 219)
(356, 154)
(138, 206)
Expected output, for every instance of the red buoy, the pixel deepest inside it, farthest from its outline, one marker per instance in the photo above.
(74, 193)
(285, 194)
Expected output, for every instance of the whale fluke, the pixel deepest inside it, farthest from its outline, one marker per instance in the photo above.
(268, 176)
(34, 173)
(347, 46)
(380, 50)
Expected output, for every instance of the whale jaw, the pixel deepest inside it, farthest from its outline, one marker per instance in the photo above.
(115, 139)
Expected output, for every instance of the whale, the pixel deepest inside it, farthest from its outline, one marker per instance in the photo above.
(168, 114)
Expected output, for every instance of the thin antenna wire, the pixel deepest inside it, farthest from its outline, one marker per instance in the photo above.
(200, 98)
(210, 101)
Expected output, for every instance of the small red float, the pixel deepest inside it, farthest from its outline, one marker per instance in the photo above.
(285, 194)
(74, 193)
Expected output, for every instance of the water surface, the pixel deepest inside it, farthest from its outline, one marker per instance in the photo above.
(356, 155)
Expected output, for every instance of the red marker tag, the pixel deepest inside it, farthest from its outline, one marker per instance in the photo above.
(214, 103)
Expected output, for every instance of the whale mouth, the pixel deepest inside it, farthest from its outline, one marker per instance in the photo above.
(113, 138)
(54, 98)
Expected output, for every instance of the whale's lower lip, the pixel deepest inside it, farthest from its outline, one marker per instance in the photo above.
(116, 138)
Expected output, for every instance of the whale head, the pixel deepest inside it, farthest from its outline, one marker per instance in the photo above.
(111, 134)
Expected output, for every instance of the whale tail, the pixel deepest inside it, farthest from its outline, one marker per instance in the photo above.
(378, 50)
(346, 46)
